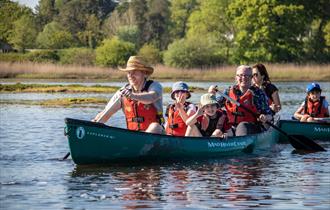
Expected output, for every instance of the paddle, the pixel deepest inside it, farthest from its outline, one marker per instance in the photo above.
(99, 117)
(299, 142)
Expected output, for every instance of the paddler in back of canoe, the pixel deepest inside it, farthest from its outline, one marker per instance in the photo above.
(178, 112)
(141, 99)
(249, 96)
(315, 106)
(209, 120)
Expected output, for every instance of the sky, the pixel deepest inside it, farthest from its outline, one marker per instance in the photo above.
(29, 3)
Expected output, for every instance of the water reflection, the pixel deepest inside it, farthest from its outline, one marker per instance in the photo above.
(234, 181)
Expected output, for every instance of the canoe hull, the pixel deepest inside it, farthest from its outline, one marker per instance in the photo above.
(95, 143)
(312, 130)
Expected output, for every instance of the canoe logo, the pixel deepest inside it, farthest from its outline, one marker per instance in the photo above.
(80, 132)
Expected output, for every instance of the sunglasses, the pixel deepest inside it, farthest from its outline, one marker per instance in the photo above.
(255, 74)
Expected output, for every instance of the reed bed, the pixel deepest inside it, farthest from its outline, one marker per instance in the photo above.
(277, 72)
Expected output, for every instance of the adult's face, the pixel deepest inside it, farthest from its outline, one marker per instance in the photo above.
(244, 77)
(135, 78)
(257, 78)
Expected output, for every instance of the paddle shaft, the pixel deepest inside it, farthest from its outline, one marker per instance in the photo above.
(316, 146)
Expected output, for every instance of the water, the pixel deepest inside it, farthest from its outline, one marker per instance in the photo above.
(32, 177)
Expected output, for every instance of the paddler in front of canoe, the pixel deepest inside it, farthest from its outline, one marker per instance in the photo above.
(141, 99)
(314, 106)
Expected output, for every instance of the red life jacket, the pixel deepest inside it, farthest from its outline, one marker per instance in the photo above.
(237, 114)
(212, 123)
(175, 125)
(138, 115)
(315, 109)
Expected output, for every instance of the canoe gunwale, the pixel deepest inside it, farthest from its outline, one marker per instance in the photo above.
(102, 125)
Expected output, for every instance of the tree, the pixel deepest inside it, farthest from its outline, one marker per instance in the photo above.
(45, 11)
(24, 33)
(212, 22)
(9, 13)
(54, 36)
(267, 30)
(156, 26)
(91, 36)
(180, 12)
(192, 52)
(114, 52)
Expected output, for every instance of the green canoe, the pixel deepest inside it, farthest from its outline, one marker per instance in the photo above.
(96, 143)
(312, 130)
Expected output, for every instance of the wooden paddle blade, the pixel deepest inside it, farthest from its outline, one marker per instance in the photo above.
(301, 142)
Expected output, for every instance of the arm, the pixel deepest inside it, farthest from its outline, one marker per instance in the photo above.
(277, 102)
(299, 113)
(112, 107)
(154, 93)
(193, 119)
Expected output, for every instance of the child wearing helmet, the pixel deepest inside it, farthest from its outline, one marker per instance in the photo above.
(178, 112)
(209, 120)
(314, 106)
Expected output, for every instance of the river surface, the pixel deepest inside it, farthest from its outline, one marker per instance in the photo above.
(33, 177)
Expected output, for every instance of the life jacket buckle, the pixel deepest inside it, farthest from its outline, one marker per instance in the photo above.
(238, 113)
(138, 119)
(174, 126)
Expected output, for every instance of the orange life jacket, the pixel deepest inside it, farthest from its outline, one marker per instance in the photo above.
(315, 109)
(138, 115)
(175, 125)
(237, 114)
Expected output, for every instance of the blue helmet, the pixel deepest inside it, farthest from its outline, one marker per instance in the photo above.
(313, 86)
(180, 86)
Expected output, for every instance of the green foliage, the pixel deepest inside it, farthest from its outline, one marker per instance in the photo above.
(128, 33)
(13, 57)
(54, 36)
(192, 52)
(180, 13)
(43, 56)
(267, 30)
(24, 33)
(114, 52)
(10, 12)
(326, 31)
(46, 11)
(150, 53)
(80, 56)
(211, 20)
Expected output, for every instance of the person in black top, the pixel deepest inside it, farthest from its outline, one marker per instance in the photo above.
(261, 80)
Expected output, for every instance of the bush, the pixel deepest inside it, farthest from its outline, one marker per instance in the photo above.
(79, 56)
(114, 52)
(13, 57)
(151, 54)
(192, 52)
(43, 56)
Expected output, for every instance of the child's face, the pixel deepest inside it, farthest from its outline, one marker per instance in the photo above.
(314, 95)
(180, 96)
(210, 109)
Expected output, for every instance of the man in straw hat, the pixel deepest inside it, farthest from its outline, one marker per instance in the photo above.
(140, 99)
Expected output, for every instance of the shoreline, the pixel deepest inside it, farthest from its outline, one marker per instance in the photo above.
(19, 72)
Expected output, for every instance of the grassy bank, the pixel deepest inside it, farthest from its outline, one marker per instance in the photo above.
(30, 88)
(277, 72)
(58, 102)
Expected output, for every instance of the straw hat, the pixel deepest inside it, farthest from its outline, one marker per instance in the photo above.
(180, 86)
(137, 63)
(207, 99)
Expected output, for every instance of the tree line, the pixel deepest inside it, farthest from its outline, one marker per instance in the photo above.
(178, 33)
